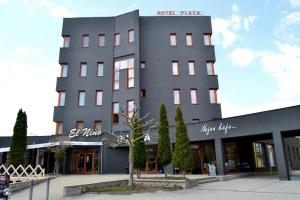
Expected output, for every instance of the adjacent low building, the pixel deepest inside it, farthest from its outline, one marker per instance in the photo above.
(127, 61)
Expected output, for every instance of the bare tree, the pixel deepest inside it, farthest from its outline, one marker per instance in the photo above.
(133, 122)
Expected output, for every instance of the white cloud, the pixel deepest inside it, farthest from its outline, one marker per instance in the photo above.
(226, 31)
(284, 65)
(32, 88)
(295, 3)
(222, 32)
(242, 56)
(248, 21)
(25, 50)
(292, 18)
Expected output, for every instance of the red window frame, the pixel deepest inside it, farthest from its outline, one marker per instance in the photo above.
(78, 98)
(173, 34)
(215, 96)
(97, 98)
(57, 124)
(192, 61)
(115, 39)
(128, 38)
(127, 107)
(130, 78)
(113, 113)
(97, 121)
(77, 122)
(209, 38)
(97, 70)
(59, 98)
(212, 68)
(186, 37)
(65, 38)
(197, 100)
(83, 63)
(176, 89)
(85, 35)
(175, 61)
(62, 69)
(101, 35)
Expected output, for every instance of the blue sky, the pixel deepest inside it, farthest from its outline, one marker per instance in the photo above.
(257, 46)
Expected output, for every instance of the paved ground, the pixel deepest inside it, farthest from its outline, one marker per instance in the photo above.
(57, 184)
(258, 188)
(243, 188)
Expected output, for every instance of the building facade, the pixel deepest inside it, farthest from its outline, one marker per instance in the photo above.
(127, 61)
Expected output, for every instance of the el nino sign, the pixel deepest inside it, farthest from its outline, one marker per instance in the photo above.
(178, 13)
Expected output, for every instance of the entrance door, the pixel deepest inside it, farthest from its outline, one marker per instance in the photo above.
(85, 162)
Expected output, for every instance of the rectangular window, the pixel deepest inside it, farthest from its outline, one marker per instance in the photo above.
(79, 125)
(101, 40)
(175, 70)
(61, 98)
(64, 70)
(85, 40)
(130, 108)
(98, 125)
(191, 67)
(130, 73)
(83, 69)
(99, 98)
(207, 39)
(130, 36)
(194, 99)
(173, 40)
(143, 93)
(117, 39)
(210, 68)
(143, 65)
(176, 94)
(100, 66)
(213, 96)
(81, 98)
(189, 40)
(116, 108)
(120, 65)
(59, 128)
(67, 41)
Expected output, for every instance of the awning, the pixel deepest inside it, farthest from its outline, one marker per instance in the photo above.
(52, 144)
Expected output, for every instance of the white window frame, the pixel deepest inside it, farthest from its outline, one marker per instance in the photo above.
(175, 68)
(99, 98)
(194, 98)
(81, 98)
(192, 68)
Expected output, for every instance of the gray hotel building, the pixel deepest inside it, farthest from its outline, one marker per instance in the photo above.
(144, 61)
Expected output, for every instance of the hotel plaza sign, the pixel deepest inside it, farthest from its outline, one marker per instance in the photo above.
(221, 128)
(178, 13)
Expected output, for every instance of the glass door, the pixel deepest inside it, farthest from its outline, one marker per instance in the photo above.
(89, 161)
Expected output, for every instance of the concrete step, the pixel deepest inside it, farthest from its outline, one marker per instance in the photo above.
(210, 180)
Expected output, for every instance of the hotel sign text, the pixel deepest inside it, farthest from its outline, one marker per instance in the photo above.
(86, 132)
(178, 13)
(223, 128)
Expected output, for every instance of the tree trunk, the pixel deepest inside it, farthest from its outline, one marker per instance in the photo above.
(184, 173)
(166, 173)
(130, 181)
